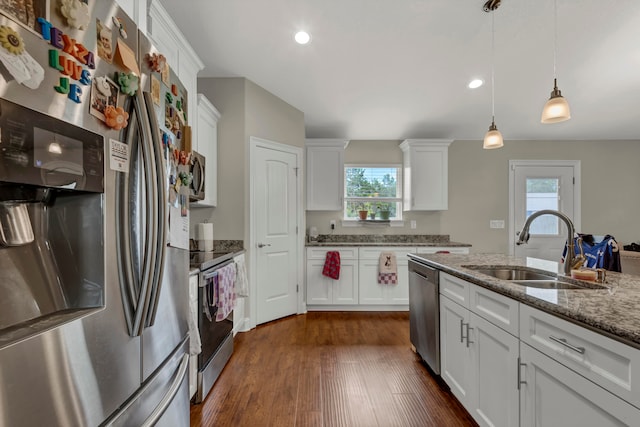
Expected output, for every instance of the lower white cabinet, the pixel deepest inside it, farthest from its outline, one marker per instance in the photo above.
(193, 360)
(479, 363)
(553, 395)
(323, 290)
(374, 293)
(510, 364)
(454, 353)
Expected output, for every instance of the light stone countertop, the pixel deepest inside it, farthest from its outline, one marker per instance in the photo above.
(410, 244)
(614, 311)
(412, 240)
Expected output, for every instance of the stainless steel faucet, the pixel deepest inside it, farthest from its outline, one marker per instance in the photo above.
(569, 259)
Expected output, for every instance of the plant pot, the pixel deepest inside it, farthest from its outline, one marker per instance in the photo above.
(363, 214)
(384, 215)
(372, 215)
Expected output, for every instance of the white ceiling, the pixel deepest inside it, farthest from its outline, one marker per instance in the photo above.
(395, 69)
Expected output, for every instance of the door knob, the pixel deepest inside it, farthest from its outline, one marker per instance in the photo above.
(262, 245)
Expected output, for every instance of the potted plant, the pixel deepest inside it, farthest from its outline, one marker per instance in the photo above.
(383, 212)
(362, 212)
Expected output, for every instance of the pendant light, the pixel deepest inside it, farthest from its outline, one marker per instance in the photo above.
(493, 137)
(557, 108)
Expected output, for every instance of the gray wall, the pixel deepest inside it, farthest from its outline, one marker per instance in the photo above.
(479, 184)
(246, 110)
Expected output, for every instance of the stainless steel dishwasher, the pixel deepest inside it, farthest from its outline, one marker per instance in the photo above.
(424, 312)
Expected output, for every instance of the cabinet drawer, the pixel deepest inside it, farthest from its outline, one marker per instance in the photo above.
(497, 309)
(321, 253)
(607, 362)
(454, 288)
(374, 252)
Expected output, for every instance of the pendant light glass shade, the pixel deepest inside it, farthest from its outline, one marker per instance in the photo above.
(493, 138)
(557, 108)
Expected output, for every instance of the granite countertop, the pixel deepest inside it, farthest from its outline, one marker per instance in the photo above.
(439, 240)
(614, 311)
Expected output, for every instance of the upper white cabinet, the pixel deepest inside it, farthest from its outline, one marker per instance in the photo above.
(206, 143)
(137, 10)
(426, 169)
(325, 174)
(181, 57)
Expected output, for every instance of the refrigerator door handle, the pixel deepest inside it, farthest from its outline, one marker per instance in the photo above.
(161, 221)
(129, 282)
(170, 394)
(150, 243)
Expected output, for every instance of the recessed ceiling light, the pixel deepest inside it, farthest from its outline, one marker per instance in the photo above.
(302, 37)
(476, 83)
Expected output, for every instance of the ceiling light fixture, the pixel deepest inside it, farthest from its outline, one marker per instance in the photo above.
(302, 37)
(493, 137)
(557, 108)
(475, 83)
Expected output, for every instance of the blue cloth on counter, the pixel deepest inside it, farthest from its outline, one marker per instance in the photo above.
(603, 254)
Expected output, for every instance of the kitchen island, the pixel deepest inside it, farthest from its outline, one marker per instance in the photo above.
(614, 311)
(532, 355)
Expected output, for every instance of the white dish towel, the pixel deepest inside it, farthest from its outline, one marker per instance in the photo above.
(242, 282)
(387, 269)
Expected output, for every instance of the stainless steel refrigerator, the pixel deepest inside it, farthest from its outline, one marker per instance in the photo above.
(93, 254)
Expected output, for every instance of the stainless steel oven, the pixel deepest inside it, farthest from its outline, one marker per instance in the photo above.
(216, 335)
(197, 169)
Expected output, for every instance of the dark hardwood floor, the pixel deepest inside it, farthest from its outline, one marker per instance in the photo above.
(328, 369)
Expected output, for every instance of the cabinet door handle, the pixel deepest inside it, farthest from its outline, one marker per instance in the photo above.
(564, 342)
(468, 341)
(461, 329)
(262, 245)
(520, 381)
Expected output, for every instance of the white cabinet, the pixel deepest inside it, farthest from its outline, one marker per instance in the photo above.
(325, 174)
(479, 359)
(611, 364)
(181, 57)
(510, 364)
(137, 11)
(553, 395)
(374, 293)
(426, 169)
(206, 139)
(193, 359)
(454, 354)
(323, 290)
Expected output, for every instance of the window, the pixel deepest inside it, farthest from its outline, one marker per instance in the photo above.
(543, 193)
(373, 188)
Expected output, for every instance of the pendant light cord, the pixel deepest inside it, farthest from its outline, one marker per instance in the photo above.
(555, 37)
(493, 42)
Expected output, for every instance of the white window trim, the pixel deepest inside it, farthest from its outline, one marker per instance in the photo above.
(354, 222)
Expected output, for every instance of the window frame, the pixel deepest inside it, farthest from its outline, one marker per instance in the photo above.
(398, 200)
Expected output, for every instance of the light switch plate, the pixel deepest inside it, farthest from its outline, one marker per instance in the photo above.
(496, 223)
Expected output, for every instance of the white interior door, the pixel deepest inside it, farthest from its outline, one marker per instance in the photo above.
(543, 185)
(275, 212)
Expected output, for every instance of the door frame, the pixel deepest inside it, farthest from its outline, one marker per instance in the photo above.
(255, 143)
(577, 199)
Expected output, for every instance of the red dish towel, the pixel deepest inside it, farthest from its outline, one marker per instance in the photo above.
(332, 265)
(387, 269)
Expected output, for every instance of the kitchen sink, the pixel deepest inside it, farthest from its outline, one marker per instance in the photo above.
(512, 273)
(533, 279)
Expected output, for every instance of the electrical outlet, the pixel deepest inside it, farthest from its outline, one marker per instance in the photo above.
(413, 224)
(332, 224)
(496, 223)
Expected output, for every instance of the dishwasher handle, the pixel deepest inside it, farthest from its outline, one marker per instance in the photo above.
(431, 274)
